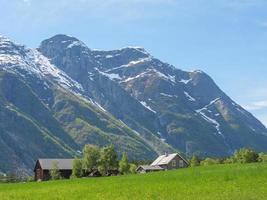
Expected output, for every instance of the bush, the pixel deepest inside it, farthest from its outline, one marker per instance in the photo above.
(245, 156)
(229, 161)
(209, 161)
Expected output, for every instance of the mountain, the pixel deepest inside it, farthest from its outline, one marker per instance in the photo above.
(57, 98)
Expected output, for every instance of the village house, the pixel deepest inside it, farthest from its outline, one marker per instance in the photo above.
(43, 166)
(164, 162)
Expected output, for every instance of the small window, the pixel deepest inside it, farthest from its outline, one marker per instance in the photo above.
(174, 163)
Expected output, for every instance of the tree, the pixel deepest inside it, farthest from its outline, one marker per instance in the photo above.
(108, 160)
(124, 166)
(246, 156)
(91, 155)
(77, 168)
(54, 172)
(194, 161)
(133, 168)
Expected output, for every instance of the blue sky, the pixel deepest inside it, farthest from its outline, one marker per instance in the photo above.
(225, 38)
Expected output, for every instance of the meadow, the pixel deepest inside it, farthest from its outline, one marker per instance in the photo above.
(227, 182)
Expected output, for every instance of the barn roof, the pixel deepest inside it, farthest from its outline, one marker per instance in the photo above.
(166, 159)
(63, 164)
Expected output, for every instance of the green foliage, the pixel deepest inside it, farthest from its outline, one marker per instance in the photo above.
(229, 161)
(262, 157)
(209, 161)
(233, 182)
(124, 166)
(195, 161)
(91, 156)
(108, 160)
(133, 168)
(77, 168)
(245, 156)
(54, 172)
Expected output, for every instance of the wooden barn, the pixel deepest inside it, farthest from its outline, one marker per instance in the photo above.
(43, 167)
(164, 162)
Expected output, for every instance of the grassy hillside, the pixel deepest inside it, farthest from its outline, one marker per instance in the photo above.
(243, 182)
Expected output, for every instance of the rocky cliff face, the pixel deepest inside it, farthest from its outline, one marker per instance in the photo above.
(184, 109)
(63, 95)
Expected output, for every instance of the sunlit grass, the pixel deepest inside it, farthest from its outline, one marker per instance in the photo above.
(236, 182)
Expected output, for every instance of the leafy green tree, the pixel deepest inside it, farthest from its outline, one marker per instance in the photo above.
(194, 161)
(246, 156)
(124, 166)
(54, 172)
(133, 168)
(91, 154)
(77, 168)
(108, 160)
(262, 157)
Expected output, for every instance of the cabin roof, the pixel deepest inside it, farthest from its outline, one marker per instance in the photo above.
(166, 159)
(63, 164)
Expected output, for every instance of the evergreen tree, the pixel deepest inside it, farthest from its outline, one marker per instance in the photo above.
(124, 166)
(54, 172)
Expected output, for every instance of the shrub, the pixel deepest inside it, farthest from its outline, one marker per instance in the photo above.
(209, 161)
(245, 156)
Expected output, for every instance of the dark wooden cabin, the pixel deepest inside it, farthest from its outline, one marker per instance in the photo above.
(43, 166)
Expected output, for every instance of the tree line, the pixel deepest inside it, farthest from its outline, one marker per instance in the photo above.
(97, 160)
(243, 155)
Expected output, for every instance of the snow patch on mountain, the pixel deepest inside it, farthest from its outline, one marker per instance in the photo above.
(148, 107)
(190, 98)
(209, 119)
(111, 76)
(167, 95)
(185, 81)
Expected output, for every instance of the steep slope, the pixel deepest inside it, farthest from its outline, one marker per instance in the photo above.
(184, 109)
(44, 114)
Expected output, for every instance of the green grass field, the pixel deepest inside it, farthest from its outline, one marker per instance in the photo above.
(236, 182)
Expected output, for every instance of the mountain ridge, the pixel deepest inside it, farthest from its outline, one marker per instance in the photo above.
(125, 97)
